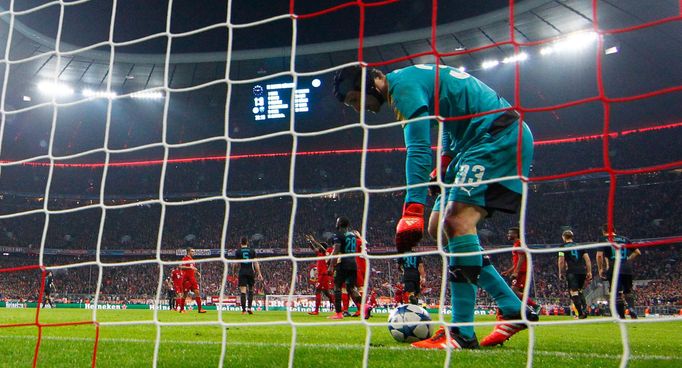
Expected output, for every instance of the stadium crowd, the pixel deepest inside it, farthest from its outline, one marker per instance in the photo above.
(646, 206)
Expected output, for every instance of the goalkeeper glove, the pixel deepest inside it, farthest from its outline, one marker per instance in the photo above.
(410, 228)
(445, 160)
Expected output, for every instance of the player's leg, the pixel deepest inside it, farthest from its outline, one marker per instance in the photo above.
(352, 287)
(242, 294)
(620, 299)
(628, 295)
(345, 300)
(338, 282)
(249, 294)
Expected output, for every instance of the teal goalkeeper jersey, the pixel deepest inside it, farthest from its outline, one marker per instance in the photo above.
(411, 95)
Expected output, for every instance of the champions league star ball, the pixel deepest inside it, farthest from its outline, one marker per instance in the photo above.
(404, 323)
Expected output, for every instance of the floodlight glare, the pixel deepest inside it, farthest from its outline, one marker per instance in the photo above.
(55, 89)
(105, 94)
(489, 64)
(149, 95)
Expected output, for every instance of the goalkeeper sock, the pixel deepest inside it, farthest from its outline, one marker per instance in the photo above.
(242, 298)
(318, 301)
(463, 290)
(346, 301)
(493, 284)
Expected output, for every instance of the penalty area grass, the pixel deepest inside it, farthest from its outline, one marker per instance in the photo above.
(267, 343)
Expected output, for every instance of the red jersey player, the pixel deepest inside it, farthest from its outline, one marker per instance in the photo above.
(324, 282)
(190, 281)
(517, 271)
(178, 284)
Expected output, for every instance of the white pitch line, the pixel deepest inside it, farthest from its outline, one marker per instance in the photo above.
(345, 347)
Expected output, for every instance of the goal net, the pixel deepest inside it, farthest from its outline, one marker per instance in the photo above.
(129, 133)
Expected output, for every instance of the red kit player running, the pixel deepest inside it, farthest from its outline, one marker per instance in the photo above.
(189, 271)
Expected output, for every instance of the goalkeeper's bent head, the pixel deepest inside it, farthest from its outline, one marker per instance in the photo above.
(348, 84)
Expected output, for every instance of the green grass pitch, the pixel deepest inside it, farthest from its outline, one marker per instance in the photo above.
(597, 344)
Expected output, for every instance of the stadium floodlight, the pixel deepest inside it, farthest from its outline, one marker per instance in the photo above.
(55, 89)
(489, 64)
(573, 42)
(105, 94)
(26, 98)
(462, 69)
(316, 83)
(515, 58)
(149, 95)
(611, 50)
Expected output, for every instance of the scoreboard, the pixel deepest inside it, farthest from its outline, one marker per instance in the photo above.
(273, 101)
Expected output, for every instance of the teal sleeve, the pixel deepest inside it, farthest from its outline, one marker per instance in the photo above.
(446, 143)
(418, 161)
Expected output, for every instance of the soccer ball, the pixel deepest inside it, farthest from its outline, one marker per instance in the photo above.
(404, 323)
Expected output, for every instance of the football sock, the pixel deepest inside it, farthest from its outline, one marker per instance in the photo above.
(463, 293)
(242, 297)
(249, 295)
(318, 301)
(583, 310)
(198, 300)
(493, 284)
(620, 308)
(346, 301)
(337, 301)
(178, 303)
(631, 305)
(578, 303)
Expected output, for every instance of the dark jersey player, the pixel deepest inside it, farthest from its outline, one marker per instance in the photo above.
(324, 283)
(345, 268)
(248, 271)
(48, 290)
(576, 268)
(606, 259)
(414, 276)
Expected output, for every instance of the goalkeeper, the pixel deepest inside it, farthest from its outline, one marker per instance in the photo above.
(474, 149)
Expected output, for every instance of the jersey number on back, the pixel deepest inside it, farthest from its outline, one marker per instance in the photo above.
(351, 245)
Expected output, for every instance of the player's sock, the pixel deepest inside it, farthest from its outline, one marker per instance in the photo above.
(464, 272)
(577, 303)
(346, 301)
(620, 308)
(249, 296)
(178, 304)
(631, 306)
(242, 298)
(337, 301)
(182, 304)
(198, 300)
(318, 301)
(493, 284)
(531, 302)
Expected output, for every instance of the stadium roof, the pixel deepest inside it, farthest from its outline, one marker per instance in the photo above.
(534, 20)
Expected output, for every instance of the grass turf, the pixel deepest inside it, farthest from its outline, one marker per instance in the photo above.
(262, 345)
